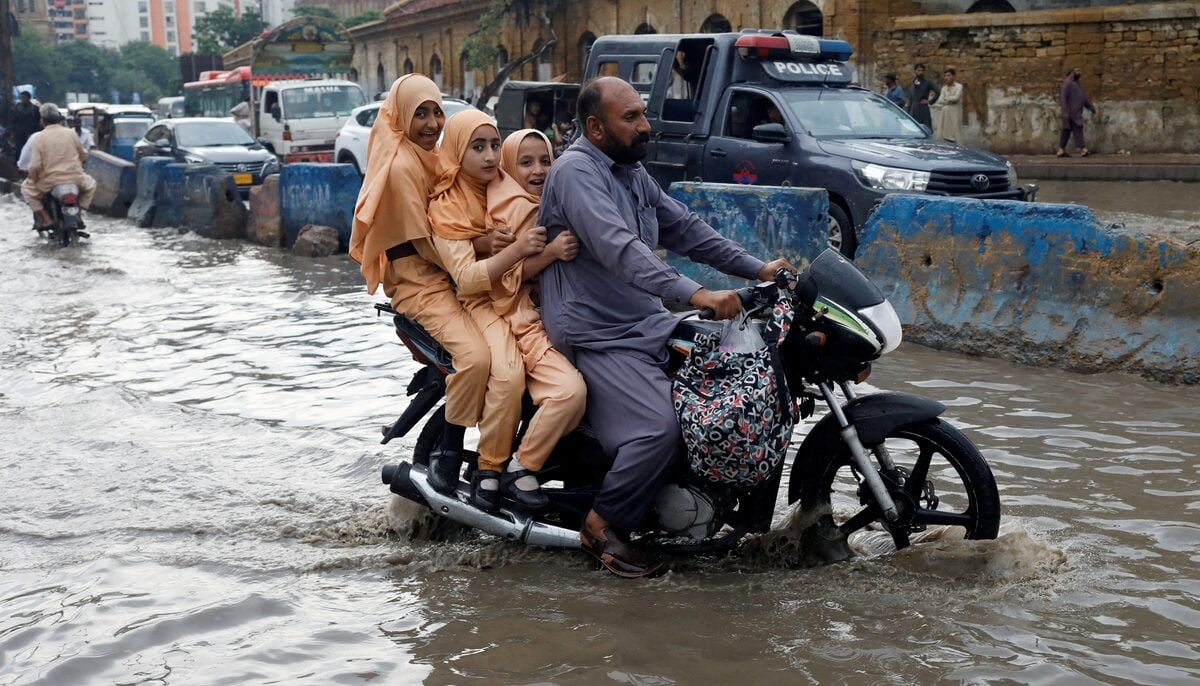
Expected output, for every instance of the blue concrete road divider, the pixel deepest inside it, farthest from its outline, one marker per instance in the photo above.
(199, 197)
(321, 194)
(149, 173)
(1036, 283)
(770, 221)
(116, 183)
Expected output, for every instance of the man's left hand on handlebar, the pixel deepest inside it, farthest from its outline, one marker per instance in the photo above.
(767, 273)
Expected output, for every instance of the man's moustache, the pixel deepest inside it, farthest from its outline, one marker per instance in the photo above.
(642, 138)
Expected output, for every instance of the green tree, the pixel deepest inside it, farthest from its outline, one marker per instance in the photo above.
(364, 18)
(219, 30)
(158, 65)
(41, 64)
(315, 11)
(89, 67)
(480, 48)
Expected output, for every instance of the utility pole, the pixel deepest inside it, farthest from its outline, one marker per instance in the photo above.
(6, 63)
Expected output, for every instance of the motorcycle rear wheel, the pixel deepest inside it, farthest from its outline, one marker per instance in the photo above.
(942, 480)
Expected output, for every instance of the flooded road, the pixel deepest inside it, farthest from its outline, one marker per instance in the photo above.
(1158, 208)
(191, 496)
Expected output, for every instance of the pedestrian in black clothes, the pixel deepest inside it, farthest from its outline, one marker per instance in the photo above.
(26, 120)
(920, 96)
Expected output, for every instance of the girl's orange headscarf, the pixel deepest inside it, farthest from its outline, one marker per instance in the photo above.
(459, 204)
(509, 204)
(395, 193)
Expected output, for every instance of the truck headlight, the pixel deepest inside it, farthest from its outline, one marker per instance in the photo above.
(891, 178)
(1012, 174)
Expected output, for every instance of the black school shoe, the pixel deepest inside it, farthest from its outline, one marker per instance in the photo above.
(486, 499)
(443, 469)
(533, 500)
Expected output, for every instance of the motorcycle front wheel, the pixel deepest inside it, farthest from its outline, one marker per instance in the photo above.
(941, 479)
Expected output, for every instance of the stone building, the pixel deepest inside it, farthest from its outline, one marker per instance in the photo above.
(1141, 60)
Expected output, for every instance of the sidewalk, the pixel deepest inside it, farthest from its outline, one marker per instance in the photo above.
(1100, 167)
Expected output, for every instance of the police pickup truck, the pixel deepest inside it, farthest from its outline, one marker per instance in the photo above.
(777, 108)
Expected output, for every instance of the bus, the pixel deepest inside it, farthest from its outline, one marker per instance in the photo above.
(216, 92)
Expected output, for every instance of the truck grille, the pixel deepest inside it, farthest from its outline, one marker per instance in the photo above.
(965, 183)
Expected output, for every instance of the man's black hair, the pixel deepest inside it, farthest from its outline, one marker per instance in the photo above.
(918, 65)
(588, 104)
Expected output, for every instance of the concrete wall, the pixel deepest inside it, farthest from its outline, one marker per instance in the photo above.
(1038, 284)
(769, 221)
(116, 183)
(322, 194)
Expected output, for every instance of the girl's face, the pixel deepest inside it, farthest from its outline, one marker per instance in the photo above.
(426, 125)
(481, 160)
(533, 163)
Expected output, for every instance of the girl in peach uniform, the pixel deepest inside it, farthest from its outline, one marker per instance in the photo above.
(390, 240)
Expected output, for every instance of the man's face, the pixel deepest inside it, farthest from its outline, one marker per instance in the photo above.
(920, 72)
(1076, 73)
(25, 98)
(624, 131)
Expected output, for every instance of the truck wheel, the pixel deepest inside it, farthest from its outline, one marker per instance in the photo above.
(841, 231)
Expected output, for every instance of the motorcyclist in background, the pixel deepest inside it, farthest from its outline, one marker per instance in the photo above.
(57, 157)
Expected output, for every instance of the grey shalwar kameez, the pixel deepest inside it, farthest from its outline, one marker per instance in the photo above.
(604, 310)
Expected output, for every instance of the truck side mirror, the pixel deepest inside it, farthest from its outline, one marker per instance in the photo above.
(770, 133)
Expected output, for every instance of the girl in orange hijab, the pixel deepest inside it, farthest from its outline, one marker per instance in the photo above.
(555, 385)
(469, 170)
(390, 240)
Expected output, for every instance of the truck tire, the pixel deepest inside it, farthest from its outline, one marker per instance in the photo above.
(842, 236)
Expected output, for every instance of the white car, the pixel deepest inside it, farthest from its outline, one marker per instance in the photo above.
(350, 147)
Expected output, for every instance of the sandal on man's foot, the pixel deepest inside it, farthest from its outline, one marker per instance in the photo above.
(619, 557)
(533, 499)
(443, 470)
(485, 496)
(1085, 152)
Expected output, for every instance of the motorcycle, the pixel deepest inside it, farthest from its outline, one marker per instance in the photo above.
(880, 459)
(62, 206)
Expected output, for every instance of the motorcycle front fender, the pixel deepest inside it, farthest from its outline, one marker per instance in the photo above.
(873, 416)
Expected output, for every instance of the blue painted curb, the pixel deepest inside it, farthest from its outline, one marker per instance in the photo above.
(322, 194)
(1037, 283)
(769, 221)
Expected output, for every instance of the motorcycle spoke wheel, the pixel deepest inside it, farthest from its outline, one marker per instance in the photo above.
(941, 480)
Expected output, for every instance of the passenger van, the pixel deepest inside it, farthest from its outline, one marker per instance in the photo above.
(776, 108)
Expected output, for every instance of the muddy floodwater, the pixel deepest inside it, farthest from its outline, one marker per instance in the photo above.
(190, 489)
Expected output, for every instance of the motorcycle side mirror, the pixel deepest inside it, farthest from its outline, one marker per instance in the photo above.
(770, 132)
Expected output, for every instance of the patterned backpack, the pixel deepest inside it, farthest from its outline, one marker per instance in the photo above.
(734, 407)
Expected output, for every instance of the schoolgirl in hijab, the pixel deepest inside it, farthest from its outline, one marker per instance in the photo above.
(390, 240)
(468, 165)
(556, 387)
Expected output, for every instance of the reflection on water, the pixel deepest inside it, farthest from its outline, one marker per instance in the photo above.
(191, 495)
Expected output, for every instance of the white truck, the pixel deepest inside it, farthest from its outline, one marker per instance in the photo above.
(299, 120)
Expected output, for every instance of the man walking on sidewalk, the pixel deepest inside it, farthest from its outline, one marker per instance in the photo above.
(1071, 101)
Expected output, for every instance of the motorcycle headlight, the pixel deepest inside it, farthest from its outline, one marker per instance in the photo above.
(1012, 174)
(882, 318)
(891, 178)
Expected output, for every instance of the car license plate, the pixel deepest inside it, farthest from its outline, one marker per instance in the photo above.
(243, 179)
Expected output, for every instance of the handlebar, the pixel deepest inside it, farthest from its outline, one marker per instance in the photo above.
(752, 294)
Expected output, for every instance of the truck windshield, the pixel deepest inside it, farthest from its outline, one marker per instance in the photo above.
(849, 114)
(311, 102)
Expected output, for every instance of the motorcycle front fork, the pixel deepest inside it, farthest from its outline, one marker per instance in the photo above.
(858, 454)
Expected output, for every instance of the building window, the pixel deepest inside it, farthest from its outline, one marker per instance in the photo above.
(170, 36)
(200, 8)
(169, 6)
(143, 8)
(435, 70)
(805, 18)
(146, 36)
(170, 22)
(144, 22)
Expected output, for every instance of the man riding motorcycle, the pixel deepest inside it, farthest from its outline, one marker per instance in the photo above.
(57, 158)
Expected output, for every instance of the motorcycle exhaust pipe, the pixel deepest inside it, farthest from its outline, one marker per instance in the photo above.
(396, 476)
(511, 525)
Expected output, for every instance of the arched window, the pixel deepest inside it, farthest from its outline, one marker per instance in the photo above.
(501, 57)
(545, 63)
(408, 66)
(468, 78)
(990, 6)
(435, 70)
(716, 23)
(804, 18)
(380, 79)
(644, 28)
(584, 47)
(353, 74)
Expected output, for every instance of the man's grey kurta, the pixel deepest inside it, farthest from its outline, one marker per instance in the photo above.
(604, 309)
